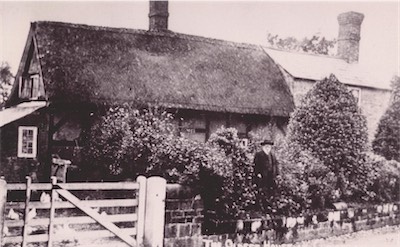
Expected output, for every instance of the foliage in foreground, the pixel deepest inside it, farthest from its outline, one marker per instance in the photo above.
(387, 138)
(238, 190)
(125, 143)
(329, 124)
(383, 179)
(6, 78)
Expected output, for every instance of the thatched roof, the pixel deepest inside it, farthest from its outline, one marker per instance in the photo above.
(88, 63)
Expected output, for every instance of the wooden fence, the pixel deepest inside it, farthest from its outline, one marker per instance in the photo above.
(83, 214)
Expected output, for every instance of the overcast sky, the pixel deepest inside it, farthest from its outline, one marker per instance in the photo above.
(241, 21)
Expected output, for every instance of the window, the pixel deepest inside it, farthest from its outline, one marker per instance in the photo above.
(194, 127)
(356, 92)
(30, 87)
(27, 141)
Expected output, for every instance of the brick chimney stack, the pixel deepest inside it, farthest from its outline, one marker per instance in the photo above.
(349, 36)
(158, 16)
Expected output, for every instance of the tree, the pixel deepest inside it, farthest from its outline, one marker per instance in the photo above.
(315, 45)
(6, 78)
(329, 124)
(387, 138)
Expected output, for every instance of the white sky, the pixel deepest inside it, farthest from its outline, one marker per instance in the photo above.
(242, 21)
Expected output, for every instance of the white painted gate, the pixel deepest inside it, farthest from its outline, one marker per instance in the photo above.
(63, 216)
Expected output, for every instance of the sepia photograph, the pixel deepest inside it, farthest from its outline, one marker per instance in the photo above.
(226, 123)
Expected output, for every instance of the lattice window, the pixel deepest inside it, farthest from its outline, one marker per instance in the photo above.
(27, 142)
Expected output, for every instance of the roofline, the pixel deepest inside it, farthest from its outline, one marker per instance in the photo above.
(183, 106)
(322, 56)
(21, 66)
(303, 53)
(167, 33)
(345, 83)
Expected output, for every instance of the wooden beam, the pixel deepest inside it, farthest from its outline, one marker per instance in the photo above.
(26, 219)
(3, 200)
(79, 186)
(60, 123)
(207, 119)
(72, 220)
(141, 209)
(52, 212)
(81, 235)
(92, 203)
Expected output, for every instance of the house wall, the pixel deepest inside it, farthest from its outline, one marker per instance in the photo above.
(373, 102)
(60, 132)
(13, 168)
(199, 126)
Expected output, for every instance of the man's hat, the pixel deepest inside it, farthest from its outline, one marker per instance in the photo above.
(267, 142)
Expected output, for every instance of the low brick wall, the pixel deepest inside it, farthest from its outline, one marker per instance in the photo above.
(183, 217)
(184, 221)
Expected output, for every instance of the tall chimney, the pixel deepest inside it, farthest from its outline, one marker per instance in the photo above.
(349, 36)
(158, 16)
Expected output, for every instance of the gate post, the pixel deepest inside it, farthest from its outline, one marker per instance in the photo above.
(3, 200)
(155, 212)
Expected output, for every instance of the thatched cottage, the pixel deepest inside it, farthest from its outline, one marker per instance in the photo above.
(69, 71)
(302, 70)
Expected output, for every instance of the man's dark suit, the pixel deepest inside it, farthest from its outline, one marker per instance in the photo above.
(266, 169)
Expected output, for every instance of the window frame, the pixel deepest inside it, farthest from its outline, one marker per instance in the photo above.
(32, 82)
(20, 152)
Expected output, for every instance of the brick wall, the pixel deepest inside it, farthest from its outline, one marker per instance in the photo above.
(183, 217)
(184, 221)
(263, 232)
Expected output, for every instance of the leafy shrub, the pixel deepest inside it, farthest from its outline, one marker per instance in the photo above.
(238, 191)
(387, 138)
(329, 124)
(184, 161)
(106, 151)
(126, 142)
(304, 182)
(383, 180)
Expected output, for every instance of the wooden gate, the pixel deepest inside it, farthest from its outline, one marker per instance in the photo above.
(78, 214)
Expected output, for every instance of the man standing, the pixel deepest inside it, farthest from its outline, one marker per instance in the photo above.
(266, 168)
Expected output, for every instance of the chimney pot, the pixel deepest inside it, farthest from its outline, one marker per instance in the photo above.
(349, 36)
(158, 15)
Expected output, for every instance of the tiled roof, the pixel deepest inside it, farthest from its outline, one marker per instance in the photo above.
(317, 67)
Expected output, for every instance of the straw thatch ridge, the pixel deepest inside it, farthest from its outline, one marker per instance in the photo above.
(99, 64)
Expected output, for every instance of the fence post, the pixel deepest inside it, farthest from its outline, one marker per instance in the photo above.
(155, 212)
(27, 200)
(141, 209)
(3, 200)
(52, 211)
